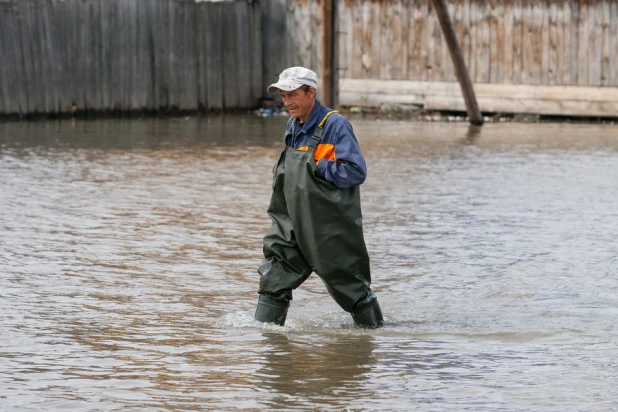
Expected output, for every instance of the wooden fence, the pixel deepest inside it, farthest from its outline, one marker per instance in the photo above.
(551, 42)
(541, 56)
(128, 55)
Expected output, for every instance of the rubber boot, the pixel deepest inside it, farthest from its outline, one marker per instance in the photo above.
(271, 311)
(368, 315)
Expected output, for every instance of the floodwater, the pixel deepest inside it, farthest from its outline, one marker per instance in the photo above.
(129, 248)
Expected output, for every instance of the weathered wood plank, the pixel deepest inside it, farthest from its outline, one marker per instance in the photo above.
(255, 54)
(594, 43)
(583, 37)
(553, 61)
(484, 55)
(518, 42)
(386, 37)
(315, 37)
(474, 39)
(603, 17)
(243, 55)
(532, 49)
(417, 52)
(344, 40)
(355, 65)
(376, 31)
(563, 33)
(508, 47)
(434, 45)
(457, 17)
(542, 13)
(400, 27)
(367, 40)
(6, 50)
(274, 39)
(541, 99)
(574, 35)
(496, 41)
(613, 47)
(466, 45)
(214, 63)
(229, 63)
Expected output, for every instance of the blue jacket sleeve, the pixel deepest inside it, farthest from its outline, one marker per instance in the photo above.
(349, 168)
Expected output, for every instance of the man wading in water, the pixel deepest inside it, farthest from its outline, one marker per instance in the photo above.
(315, 209)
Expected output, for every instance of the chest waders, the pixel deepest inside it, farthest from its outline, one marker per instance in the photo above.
(317, 227)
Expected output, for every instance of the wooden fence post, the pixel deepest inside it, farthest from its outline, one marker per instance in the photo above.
(474, 113)
(330, 75)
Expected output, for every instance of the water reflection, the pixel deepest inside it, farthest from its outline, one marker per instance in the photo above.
(145, 134)
(307, 372)
(473, 134)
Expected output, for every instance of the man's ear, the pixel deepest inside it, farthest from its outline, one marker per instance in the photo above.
(312, 92)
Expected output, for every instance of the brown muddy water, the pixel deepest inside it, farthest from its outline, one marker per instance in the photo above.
(129, 248)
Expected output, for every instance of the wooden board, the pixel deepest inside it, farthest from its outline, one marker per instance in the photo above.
(506, 98)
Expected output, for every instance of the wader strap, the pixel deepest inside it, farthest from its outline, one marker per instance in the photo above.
(288, 132)
(317, 136)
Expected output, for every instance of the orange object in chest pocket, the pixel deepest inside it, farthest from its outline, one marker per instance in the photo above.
(323, 151)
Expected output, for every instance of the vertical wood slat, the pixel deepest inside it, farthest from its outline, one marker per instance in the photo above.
(518, 39)
(316, 36)
(254, 57)
(201, 53)
(564, 45)
(496, 39)
(354, 68)
(473, 24)
(275, 41)
(447, 69)
(243, 64)
(431, 42)
(376, 31)
(229, 67)
(214, 61)
(582, 55)
(483, 47)
(613, 46)
(603, 17)
(367, 40)
(345, 37)
(541, 11)
(25, 44)
(465, 45)
(399, 70)
(7, 82)
(507, 67)
(385, 51)
(594, 44)
(574, 34)
(417, 54)
(459, 27)
(554, 65)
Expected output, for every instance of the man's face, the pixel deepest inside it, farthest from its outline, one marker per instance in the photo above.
(298, 102)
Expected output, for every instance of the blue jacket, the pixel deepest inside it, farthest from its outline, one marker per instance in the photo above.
(338, 155)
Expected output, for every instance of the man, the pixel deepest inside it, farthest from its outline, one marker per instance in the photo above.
(315, 209)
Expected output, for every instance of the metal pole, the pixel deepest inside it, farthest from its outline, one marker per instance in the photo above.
(474, 113)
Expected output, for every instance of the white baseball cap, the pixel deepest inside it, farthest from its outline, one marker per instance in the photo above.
(294, 77)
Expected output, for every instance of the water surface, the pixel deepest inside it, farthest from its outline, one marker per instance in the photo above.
(129, 248)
